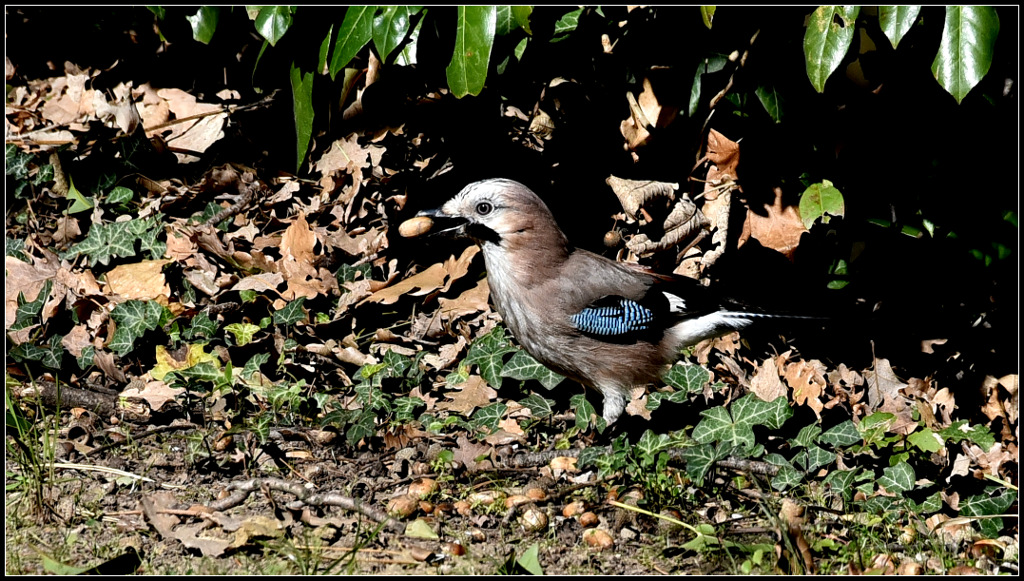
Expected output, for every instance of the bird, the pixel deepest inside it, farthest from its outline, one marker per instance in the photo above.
(608, 325)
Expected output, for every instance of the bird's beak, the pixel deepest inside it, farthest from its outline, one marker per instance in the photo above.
(434, 223)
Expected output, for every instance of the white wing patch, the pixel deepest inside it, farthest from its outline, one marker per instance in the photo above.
(675, 304)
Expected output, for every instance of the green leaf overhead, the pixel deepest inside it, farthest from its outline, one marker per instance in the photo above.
(391, 26)
(204, 23)
(896, 21)
(828, 37)
(302, 108)
(273, 21)
(474, 36)
(966, 49)
(355, 32)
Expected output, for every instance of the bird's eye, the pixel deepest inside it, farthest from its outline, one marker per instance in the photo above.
(484, 208)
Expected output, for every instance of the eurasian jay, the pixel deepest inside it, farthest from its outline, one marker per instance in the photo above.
(605, 324)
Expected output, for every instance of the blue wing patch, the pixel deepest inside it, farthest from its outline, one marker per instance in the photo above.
(613, 319)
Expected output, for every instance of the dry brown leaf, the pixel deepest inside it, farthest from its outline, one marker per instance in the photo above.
(344, 155)
(77, 339)
(807, 380)
(779, 230)
(882, 381)
(637, 405)
(472, 394)
(140, 280)
(467, 453)
(195, 134)
(437, 276)
(472, 301)
(22, 277)
(267, 281)
(766, 383)
(155, 393)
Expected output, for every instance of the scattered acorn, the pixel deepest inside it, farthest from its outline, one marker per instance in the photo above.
(598, 539)
(414, 227)
(588, 520)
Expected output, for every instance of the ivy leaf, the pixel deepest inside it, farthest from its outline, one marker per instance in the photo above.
(201, 326)
(27, 311)
(524, 367)
(566, 24)
(133, 319)
(828, 37)
(687, 378)
(926, 440)
(898, 479)
(965, 51)
(273, 21)
(487, 352)
(820, 201)
(844, 434)
(539, 406)
(363, 427)
(489, 417)
(291, 313)
(243, 332)
(700, 459)
(474, 37)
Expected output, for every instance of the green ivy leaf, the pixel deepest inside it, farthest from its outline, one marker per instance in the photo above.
(700, 459)
(405, 408)
(844, 434)
(487, 352)
(27, 311)
(489, 417)
(355, 32)
(530, 560)
(842, 481)
(273, 21)
(85, 359)
(540, 407)
(926, 440)
(820, 201)
(120, 195)
(896, 21)
(524, 367)
(898, 479)
(252, 366)
(243, 332)
(291, 313)
(200, 326)
(566, 24)
(363, 427)
(965, 51)
(133, 319)
(649, 444)
(54, 354)
(826, 41)
(687, 378)
(204, 23)
(806, 437)
(992, 501)
(474, 37)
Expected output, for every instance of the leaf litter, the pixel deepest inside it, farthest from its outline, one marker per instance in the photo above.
(349, 323)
